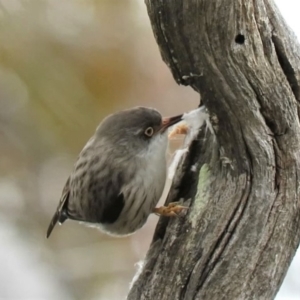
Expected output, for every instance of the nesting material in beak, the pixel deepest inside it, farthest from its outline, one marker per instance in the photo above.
(169, 121)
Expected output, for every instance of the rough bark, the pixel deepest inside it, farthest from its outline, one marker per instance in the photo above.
(242, 230)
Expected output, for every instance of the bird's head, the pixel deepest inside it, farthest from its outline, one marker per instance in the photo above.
(138, 129)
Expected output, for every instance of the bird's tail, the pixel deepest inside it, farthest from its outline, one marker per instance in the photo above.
(60, 215)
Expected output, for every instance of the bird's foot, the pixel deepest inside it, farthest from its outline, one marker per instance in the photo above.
(181, 128)
(172, 210)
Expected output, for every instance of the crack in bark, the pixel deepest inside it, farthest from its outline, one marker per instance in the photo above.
(262, 250)
(167, 46)
(268, 120)
(277, 156)
(187, 282)
(286, 67)
(225, 237)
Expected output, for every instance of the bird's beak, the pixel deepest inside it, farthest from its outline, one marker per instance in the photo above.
(169, 121)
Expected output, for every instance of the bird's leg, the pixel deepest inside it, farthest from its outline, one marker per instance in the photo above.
(172, 210)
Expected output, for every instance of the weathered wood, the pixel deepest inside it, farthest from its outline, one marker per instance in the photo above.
(243, 227)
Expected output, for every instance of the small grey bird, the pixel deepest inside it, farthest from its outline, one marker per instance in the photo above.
(120, 174)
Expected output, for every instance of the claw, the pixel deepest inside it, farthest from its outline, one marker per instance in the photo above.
(172, 210)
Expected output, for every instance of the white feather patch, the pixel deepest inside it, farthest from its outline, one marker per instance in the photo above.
(193, 120)
(139, 266)
(175, 161)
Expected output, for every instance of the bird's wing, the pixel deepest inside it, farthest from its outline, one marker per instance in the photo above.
(61, 211)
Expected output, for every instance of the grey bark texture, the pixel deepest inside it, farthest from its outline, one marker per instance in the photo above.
(242, 229)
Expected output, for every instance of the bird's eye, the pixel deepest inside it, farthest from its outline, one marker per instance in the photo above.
(149, 131)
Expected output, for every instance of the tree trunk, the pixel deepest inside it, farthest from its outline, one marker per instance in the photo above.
(242, 229)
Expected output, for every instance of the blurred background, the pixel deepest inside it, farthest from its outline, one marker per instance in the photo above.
(64, 65)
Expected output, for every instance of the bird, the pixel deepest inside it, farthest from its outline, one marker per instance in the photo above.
(120, 174)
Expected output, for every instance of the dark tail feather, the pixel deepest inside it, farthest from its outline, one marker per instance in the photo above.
(61, 213)
(52, 223)
(58, 217)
